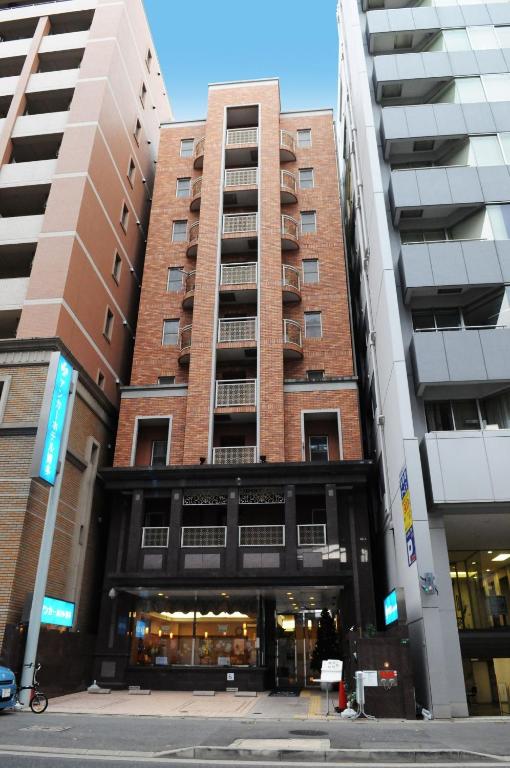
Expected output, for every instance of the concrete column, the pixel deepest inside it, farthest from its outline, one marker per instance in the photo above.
(174, 539)
(290, 530)
(135, 532)
(232, 533)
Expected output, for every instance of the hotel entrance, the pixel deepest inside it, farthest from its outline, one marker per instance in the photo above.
(296, 636)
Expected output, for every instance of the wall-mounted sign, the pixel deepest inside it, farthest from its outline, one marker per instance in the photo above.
(391, 608)
(52, 418)
(58, 612)
(407, 512)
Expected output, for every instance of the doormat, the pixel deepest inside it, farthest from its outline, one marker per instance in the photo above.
(285, 692)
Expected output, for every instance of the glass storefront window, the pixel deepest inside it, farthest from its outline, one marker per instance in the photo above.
(480, 582)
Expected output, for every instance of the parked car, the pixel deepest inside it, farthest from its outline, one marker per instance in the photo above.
(7, 688)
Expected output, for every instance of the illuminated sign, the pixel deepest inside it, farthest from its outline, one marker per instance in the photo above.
(51, 422)
(57, 612)
(390, 608)
(140, 629)
(407, 512)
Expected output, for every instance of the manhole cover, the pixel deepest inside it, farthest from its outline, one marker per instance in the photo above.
(47, 728)
(308, 733)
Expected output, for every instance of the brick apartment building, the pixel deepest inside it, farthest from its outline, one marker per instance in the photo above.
(81, 99)
(239, 502)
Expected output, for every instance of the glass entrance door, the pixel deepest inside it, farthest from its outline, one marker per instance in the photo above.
(296, 635)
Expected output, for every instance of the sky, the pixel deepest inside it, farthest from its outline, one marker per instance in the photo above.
(205, 41)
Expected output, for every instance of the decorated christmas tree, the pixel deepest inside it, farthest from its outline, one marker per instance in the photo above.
(328, 641)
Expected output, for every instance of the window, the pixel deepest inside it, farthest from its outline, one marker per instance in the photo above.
(391, 91)
(187, 147)
(318, 445)
(436, 319)
(117, 266)
(308, 222)
(158, 453)
(306, 178)
(183, 187)
(108, 324)
(304, 138)
(315, 375)
(148, 60)
(174, 280)
(313, 325)
(179, 231)
(137, 132)
(165, 380)
(124, 217)
(143, 95)
(131, 171)
(310, 270)
(490, 413)
(170, 333)
(100, 379)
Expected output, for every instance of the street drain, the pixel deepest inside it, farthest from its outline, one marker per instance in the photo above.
(308, 733)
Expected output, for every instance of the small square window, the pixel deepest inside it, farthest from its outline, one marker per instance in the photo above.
(313, 325)
(170, 333)
(310, 270)
(304, 138)
(108, 324)
(315, 375)
(124, 217)
(138, 130)
(131, 171)
(100, 379)
(148, 60)
(319, 448)
(174, 280)
(308, 222)
(165, 380)
(183, 187)
(306, 178)
(187, 147)
(117, 266)
(143, 94)
(179, 231)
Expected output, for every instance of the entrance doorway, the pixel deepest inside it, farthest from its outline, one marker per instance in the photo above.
(296, 635)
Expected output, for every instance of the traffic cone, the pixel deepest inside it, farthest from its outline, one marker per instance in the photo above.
(342, 698)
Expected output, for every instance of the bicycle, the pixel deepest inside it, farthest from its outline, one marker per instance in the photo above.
(38, 700)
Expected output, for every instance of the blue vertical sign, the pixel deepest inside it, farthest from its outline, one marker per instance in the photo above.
(48, 461)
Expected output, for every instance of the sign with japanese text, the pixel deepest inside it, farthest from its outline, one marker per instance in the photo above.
(407, 512)
(57, 612)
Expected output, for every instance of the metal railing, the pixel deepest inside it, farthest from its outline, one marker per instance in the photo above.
(237, 329)
(241, 177)
(193, 232)
(288, 141)
(290, 226)
(239, 222)
(185, 337)
(242, 136)
(155, 537)
(288, 180)
(237, 274)
(291, 276)
(235, 392)
(196, 187)
(292, 333)
(189, 282)
(199, 147)
(311, 535)
(204, 536)
(261, 535)
(236, 454)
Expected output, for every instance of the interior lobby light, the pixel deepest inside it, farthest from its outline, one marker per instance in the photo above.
(501, 558)
(182, 616)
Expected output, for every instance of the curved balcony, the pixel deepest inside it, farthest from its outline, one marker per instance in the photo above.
(189, 290)
(290, 233)
(287, 147)
(185, 344)
(291, 284)
(198, 153)
(191, 250)
(292, 340)
(288, 188)
(196, 194)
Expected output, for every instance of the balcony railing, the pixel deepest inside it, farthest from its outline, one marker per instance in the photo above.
(288, 141)
(236, 454)
(235, 392)
(199, 147)
(237, 329)
(288, 181)
(193, 232)
(185, 339)
(291, 277)
(261, 535)
(196, 187)
(290, 227)
(311, 535)
(238, 274)
(154, 537)
(241, 177)
(189, 282)
(204, 536)
(234, 223)
(242, 136)
(292, 333)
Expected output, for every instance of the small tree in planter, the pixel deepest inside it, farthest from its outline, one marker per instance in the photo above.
(328, 642)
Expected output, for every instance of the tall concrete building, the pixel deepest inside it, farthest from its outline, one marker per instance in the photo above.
(81, 99)
(239, 503)
(425, 149)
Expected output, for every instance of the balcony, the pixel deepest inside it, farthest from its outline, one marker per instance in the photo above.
(155, 537)
(287, 147)
(478, 359)
(50, 123)
(20, 229)
(467, 467)
(237, 329)
(12, 49)
(290, 233)
(313, 535)
(8, 85)
(291, 283)
(292, 340)
(239, 224)
(198, 153)
(65, 41)
(288, 188)
(63, 79)
(241, 146)
(24, 174)
(241, 177)
(196, 194)
(192, 248)
(185, 344)
(238, 283)
(13, 291)
(261, 535)
(237, 454)
(240, 188)
(236, 393)
(204, 535)
(189, 290)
